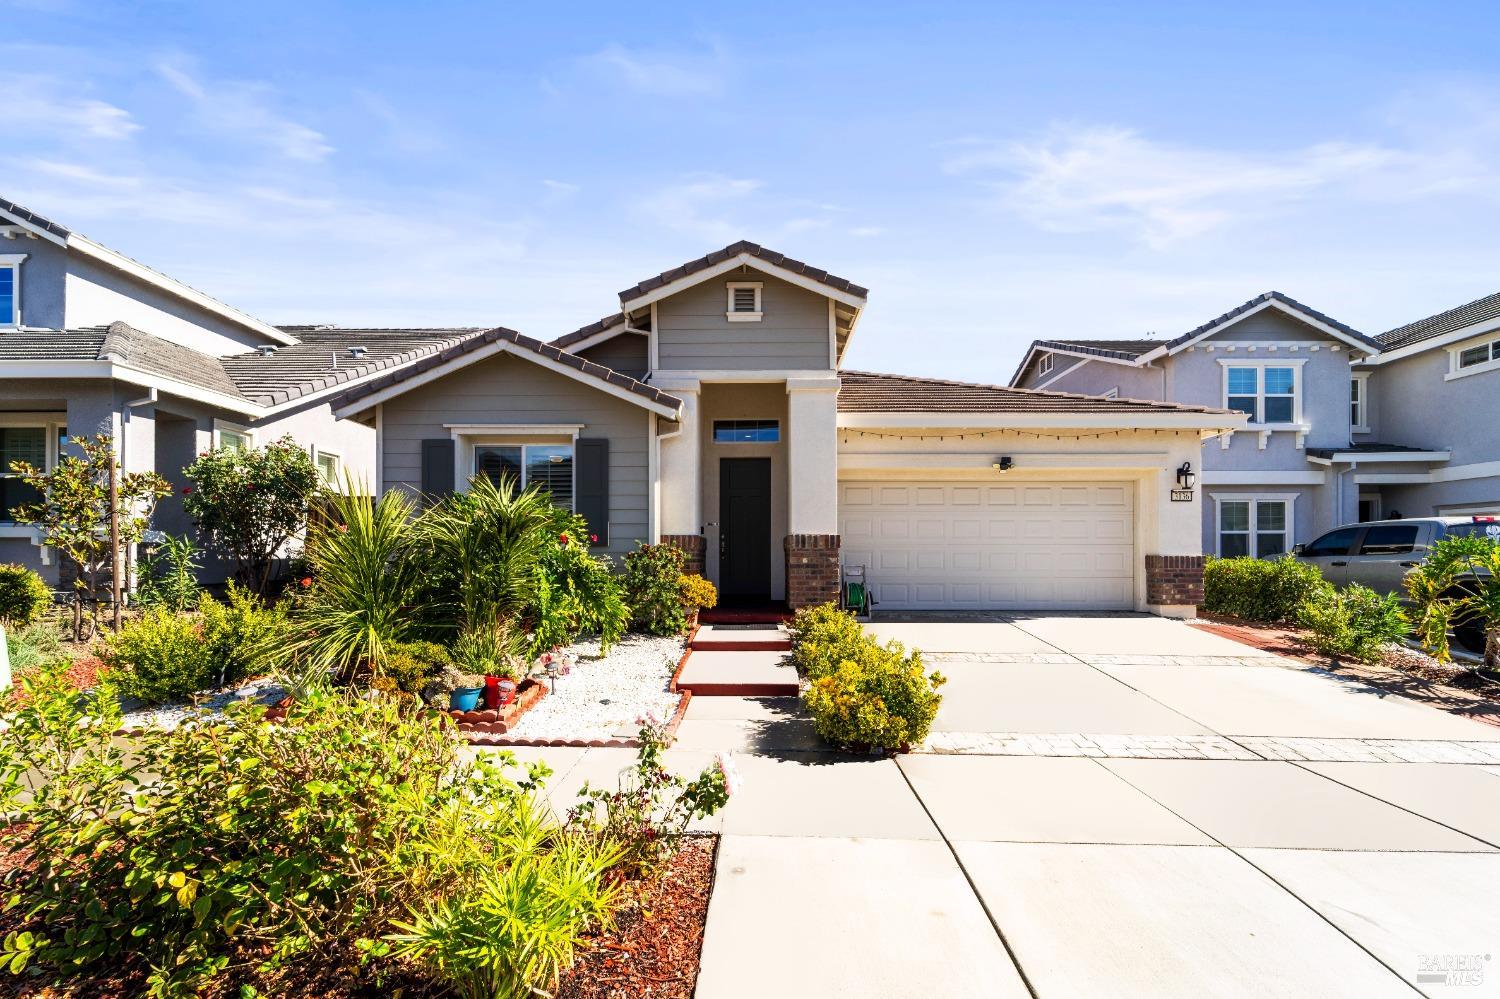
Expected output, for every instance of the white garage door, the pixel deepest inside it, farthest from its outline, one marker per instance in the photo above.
(1028, 546)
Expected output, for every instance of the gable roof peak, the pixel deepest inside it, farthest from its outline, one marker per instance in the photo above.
(745, 248)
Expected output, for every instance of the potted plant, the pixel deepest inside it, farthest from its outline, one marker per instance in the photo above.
(695, 594)
(465, 693)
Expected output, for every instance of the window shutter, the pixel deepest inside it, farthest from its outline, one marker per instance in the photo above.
(437, 466)
(591, 470)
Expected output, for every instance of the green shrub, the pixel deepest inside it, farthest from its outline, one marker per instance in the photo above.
(24, 596)
(574, 574)
(822, 637)
(171, 576)
(1269, 590)
(651, 573)
(166, 656)
(493, 651)
(881, 699)
(409, 666)
(696, 593)
(1356, 623)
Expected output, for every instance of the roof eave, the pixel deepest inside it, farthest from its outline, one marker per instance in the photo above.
(670, 288)
(1127, 420)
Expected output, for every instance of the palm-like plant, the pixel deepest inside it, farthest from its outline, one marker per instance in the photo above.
(1458, 586)
(489, 541)
(361, 551)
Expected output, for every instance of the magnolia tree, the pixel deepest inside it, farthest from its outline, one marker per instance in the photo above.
(248, 503)
(73, 512)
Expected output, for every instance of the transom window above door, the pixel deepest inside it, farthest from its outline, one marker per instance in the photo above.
(1266, 392)
(747, 431)
(549, 467)
(1254, 525)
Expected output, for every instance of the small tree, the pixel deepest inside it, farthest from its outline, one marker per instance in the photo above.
(74, 512)
(250, 502)
(1458, 585)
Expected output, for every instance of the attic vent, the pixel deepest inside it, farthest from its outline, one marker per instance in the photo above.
(744, 302)
(266, 349)
(356, 352)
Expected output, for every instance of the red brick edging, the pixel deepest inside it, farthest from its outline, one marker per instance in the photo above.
(507, 742)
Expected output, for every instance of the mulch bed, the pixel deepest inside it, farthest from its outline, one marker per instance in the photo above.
(1453, 687)
(652, 951)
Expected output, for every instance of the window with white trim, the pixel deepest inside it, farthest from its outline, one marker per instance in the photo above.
(10, 288)
(237, 438)
(1359, 402)
(28, 443)
(1479, 354)
(1044, 364)
(743, 302)
(546, 466)
(328, 467)
(1267, 393)
(1254, 525)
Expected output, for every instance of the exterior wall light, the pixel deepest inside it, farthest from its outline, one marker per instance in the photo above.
(1002, 464)
(1185, 476)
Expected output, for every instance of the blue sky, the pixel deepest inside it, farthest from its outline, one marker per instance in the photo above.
(993, 172)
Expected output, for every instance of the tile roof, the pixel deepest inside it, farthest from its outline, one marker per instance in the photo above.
(584, 332)
(1368, 448)
(1127, 350)
(1457, 318)
(30, 216)
(127, 345)
(1286, 300)
(475, 342)
(871, 392)
(52, 345)
(324, 358)
(733, 250)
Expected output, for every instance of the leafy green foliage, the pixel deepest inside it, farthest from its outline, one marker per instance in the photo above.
(24, 596)
(1457, 585)
(410, 666)
(166, 656)
(249, 502)
(583, 595)
(651, 574)
(365, 582)
(1356, 623)
(824, 636)
(495, 650)
(863, 694)
(1269, 590)
(171, 576)
(32, 645)
(74, 511)
(696, 593)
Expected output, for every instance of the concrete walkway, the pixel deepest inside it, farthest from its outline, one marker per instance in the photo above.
(1054, 870)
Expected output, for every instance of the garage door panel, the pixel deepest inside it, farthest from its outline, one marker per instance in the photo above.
(932, 545)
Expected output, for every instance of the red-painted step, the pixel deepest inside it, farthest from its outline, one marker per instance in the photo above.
(741, 638)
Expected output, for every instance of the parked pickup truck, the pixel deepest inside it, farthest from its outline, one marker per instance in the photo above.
(1380, 553)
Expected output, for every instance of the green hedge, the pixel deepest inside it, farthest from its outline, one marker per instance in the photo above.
(1269, 590)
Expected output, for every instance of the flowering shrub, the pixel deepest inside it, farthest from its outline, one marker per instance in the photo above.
(696, 593)
(822, 637)
(649, 810)
(651, 574)
(577, 592)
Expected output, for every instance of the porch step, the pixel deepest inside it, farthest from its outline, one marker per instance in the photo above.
(741, 638)
(738, 674)
(765, 614)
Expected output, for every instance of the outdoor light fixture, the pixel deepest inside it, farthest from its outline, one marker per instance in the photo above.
(1185, 476)
(1002, 464)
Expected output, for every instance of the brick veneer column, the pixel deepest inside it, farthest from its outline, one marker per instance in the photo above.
(812, 569)
(692, 545)
(1174, 579)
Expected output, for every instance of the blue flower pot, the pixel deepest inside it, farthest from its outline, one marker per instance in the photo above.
(465, 698)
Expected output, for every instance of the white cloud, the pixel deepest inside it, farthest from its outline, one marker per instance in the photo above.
(702, 206)
(36, 102)
(1088, 178)
(662, 74)
(243, 110)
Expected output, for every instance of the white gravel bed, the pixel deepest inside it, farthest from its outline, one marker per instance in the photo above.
(264, 690)
(603, 697)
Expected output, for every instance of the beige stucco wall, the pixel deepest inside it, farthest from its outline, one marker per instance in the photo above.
(767, 401)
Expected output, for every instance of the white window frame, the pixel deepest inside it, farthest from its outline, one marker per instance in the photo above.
(1457, 350)
(12, 262)
(221, 427)
(1045, 363)
(1359, 402)
(1296, 422)
(318, 454)
(1289, 499)
(468, 437)
(49, 423)
(742, 317)
(1112, 393)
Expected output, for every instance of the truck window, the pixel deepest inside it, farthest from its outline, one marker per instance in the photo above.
(1332, 543)
(1389, 539)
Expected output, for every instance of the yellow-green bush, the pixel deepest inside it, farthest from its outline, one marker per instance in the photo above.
(24, 596)
(882, 699)
(822, 636)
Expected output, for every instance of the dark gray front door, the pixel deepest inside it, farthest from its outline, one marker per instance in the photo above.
(745, 528)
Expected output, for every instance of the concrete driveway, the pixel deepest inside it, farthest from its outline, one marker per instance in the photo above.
(1109, 806)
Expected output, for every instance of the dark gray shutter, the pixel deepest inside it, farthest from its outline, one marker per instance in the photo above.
(437, 466)
(591, 475)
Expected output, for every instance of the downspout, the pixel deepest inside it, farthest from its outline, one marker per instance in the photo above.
(148, 399)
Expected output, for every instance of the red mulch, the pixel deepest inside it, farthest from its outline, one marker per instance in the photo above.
(1453, 687)
(652, 952)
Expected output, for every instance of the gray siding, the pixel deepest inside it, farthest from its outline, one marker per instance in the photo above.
(626, 353)
(510, 390)
(693, 333)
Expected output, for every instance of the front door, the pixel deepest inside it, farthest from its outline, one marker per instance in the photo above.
(745, 528)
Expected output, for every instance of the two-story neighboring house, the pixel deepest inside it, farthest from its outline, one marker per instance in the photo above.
(1312, 454)
(712, 410)
(92, 341)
